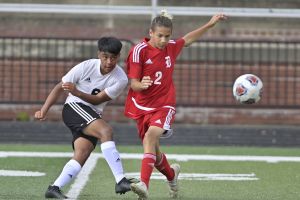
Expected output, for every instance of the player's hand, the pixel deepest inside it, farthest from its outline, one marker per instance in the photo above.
(216, 18)
(40, 115)
(70, 87)
(146, 82)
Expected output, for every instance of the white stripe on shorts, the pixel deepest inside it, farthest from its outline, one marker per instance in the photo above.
(85, 115)
(168, 119)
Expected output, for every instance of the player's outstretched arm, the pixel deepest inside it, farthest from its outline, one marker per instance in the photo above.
(194, 35)
(51, 99)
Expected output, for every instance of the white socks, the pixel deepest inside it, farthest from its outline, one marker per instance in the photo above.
(113, 159)
(70, 170)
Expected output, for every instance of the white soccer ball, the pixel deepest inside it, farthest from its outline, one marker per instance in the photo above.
(247, 89)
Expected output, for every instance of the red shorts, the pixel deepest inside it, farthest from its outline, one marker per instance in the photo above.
(162, 118)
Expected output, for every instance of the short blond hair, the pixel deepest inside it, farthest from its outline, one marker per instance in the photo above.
(165, 13)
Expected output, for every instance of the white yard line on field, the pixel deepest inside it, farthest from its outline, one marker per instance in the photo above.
(35, 154)
(82, 177)
(20, 173)
(202, 177)
(178, 157)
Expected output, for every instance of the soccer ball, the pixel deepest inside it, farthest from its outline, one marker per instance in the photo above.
(247, 89)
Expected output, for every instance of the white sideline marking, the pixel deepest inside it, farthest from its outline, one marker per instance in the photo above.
(36, 154)
(202, 177)
(82, 177)
(178, 157)
(20, 173)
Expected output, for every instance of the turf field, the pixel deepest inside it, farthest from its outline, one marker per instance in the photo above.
(208, 173)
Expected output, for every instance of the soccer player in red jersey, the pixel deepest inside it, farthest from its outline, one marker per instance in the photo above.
(151, 97)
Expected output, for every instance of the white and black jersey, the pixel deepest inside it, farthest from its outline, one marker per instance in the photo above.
(88, 79)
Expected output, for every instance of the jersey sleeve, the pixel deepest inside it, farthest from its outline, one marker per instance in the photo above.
(74, 74)
(118, 86)
(178, 46)
(134, 64)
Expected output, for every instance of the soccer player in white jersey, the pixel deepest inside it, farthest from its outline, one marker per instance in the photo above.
(90, 85)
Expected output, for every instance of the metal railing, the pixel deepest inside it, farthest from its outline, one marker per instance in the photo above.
(152, 10)
(204, 73)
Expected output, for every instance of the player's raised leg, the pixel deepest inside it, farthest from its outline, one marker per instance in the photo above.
(103, 131)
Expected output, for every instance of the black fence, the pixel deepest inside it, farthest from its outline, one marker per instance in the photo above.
(204, 74)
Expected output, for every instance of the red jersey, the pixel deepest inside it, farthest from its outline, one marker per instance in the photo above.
(145, 60)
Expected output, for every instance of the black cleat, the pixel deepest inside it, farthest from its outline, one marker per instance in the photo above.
(54, 192)
(123, 186)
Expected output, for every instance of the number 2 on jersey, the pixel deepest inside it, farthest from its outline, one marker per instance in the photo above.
(158, 76)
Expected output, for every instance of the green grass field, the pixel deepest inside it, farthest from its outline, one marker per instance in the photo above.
(273, 180)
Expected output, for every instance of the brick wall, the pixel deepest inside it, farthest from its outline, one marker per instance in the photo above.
(36, 88)
(201, 84)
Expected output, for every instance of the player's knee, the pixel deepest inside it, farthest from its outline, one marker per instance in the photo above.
(105, 134)
(81, 155)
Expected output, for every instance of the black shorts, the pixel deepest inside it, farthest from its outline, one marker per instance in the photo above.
(77, 116)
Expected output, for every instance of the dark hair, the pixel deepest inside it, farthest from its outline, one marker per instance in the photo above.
(110, 45)
(164, 19)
